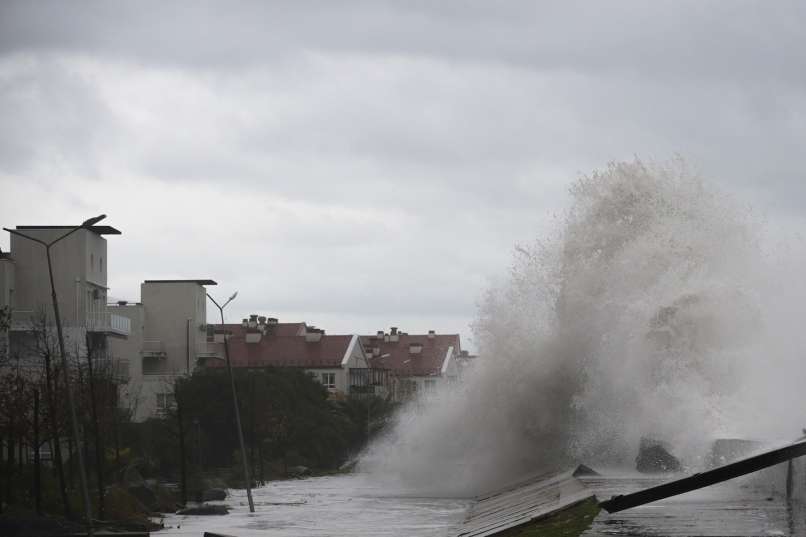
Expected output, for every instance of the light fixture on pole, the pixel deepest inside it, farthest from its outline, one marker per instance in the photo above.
(88, 223)
(247, 479)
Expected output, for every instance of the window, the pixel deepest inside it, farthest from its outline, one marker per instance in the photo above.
(329, 380)
(165, 401)
(153, 365)
(101, 264)
(430, 385)
(92, 261)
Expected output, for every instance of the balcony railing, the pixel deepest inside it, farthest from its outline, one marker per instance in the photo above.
(102, 321)
(153, 347)
(23, 320)
(109, 323)
(209, 350)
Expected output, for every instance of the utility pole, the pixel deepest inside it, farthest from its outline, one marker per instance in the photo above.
(235, 403)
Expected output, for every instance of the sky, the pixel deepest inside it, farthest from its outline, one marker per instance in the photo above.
(360, 165)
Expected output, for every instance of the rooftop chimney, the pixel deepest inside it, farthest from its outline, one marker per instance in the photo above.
(313, 334)
(261, 319)
(245, 323)
(271, 320)
(431, 334)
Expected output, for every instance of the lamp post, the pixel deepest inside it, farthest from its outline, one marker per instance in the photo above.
(65, 365)
(235, 402)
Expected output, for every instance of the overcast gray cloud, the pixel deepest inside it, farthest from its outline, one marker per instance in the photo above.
(361, 164)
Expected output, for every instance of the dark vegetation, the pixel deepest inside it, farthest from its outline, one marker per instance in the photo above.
(291, 428)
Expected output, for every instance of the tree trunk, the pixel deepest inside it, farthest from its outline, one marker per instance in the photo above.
(71, 453)
(54, 433)
(1, 464)
(99, 448)
(10, 462)
(182, 468)
(37, 477)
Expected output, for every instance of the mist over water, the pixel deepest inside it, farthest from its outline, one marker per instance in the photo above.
(658, 306)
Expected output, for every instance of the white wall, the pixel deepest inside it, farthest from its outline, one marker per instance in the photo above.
(128, 349)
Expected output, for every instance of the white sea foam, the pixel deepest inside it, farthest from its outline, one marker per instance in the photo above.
(658, 306)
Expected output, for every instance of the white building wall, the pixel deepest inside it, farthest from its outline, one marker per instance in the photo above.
(126, 353)
(79, 272)
(353, 358)
(6, 283)
(175, 315)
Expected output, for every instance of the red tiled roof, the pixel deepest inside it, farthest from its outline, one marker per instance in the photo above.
(287, 351)
(427, 363)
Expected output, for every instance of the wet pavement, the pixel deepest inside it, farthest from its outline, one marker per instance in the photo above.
(354, 505)
(739, 507)
(325, 506)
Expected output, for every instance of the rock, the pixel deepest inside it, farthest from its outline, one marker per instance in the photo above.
(727, 450)
(583, 470)
(210, 495)
(145, 495)
(204, 510)
(654, 457)
(298, 471)
(132, 477)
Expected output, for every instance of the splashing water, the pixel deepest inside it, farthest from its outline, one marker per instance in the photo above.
(656, 308)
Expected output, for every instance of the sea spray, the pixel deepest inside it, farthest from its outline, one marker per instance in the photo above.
(643, 313)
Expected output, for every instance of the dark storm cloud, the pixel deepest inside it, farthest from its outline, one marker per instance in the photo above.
(347, 153)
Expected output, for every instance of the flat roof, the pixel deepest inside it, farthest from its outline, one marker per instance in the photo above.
(200, 282)
(100, 230)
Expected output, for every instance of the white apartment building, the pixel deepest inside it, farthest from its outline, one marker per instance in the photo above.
(80, 277)
(168, 337)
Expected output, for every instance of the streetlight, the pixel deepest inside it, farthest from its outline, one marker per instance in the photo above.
(65, 366)
(235, 402)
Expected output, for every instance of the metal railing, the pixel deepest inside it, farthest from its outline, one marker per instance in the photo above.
(153, 347)
(103, 321)
(23, 320)
(209, 350)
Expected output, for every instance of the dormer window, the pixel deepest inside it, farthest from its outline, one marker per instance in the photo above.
(415, 348)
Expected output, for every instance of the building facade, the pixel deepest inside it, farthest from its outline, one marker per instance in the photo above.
(417, 363)
(338, 362)
(80, 279)
(168, 337)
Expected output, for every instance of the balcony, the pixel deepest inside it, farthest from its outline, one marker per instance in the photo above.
(103, 322)
(208, 350)
(24, 321)
(108, 323)
(153, 348)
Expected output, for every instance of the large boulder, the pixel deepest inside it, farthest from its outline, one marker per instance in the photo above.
(211, 495)
(205, 509)
(654, 457)
(145, 495)
(298, 471)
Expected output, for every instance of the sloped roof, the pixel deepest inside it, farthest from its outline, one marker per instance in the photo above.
(287, 351)
(428, 363)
